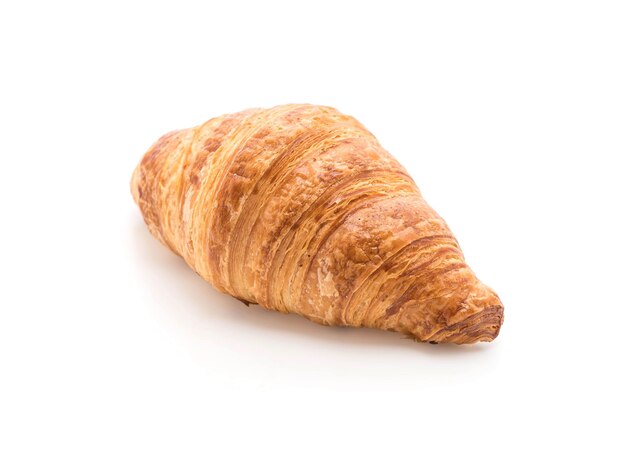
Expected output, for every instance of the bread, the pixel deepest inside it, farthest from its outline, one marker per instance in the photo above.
(299, 209)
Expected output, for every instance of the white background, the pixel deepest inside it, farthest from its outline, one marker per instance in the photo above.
(511, 116)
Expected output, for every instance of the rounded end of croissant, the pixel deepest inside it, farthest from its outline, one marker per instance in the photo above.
(134, 184)
(152, 163)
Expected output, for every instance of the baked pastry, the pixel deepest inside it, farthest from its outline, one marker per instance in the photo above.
(299, 209)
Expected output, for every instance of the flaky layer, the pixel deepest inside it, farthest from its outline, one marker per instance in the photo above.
(299, 209)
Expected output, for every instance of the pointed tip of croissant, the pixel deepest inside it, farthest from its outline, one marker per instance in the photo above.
(483, 326)
(476, 317)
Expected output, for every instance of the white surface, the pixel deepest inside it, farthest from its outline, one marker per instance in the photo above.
(511, 118)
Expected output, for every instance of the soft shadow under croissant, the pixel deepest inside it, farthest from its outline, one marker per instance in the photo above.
(299, 209)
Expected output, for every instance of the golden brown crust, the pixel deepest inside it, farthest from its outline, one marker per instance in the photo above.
(299, 209)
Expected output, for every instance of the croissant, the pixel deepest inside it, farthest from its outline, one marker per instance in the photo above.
(299, 209)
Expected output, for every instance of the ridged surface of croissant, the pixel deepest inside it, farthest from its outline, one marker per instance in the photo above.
(298, 208)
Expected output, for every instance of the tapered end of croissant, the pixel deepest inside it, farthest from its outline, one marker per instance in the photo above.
(478, 319)
(483, 326)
